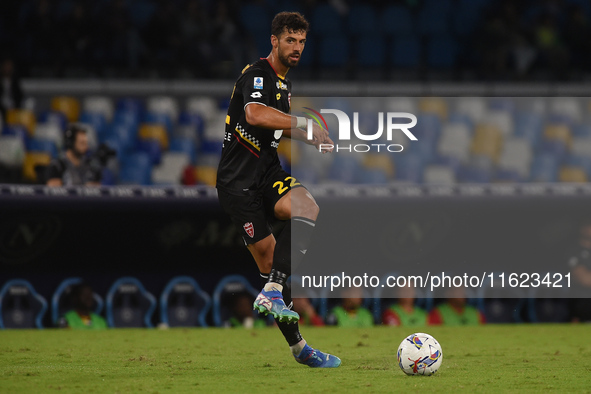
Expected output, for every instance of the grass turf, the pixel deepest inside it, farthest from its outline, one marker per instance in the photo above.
(488, 358)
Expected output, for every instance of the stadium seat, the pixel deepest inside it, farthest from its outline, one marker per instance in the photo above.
(442, 52)
(55, 118)
(32, 161)
(130, 105)
(96, 120)
(195, 120)
(569, 107)
(171, 168)
(362, 20)
(125, 134)
(42, 145)
(544, 168)
(441, 175)
(581, 131)
(396, 21)
(22, 117)
(206, 107)
(455, 141)
(503, 105)
(488, 141)
(345, 168)
(509, 176)
(408, 168)
(163, 105)
(50, 132)
(370, 52)
(474, 175)
(61, 301)
(152, 148)
(156, 132)
(215, 128)
(572, 174)
(501, 120)
(21, 306)
(405, 52)
(135, 169)
(473, 107)
(129, 304)
(186, 146)
(326, 20)
(502, 310)
(99, 105)
(434, 105)
(334, 52)
(548, 310)
(228, 286)
(159, 118)
(433, 18)
(516, 155)
(183, 303)
(206, 175)
(12, 150)
(559, 132)
(379, 161)
(69, 106)
(528, 125)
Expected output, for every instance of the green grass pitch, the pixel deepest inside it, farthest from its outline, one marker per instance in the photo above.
(506, 358)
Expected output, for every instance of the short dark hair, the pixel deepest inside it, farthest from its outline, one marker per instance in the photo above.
(292, 21)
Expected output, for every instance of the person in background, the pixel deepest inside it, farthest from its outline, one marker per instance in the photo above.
(308, 315)
(455, 311)
(404, 312)
(11, 92)
(351, 313)
(82, 317)
(579, 263)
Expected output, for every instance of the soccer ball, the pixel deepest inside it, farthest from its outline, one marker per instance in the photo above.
(419, 354)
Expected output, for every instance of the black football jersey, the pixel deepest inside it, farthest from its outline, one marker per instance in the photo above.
(249, 152)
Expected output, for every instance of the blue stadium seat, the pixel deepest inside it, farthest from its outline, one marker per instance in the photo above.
(442, 52)
(255, 18)
(184, 145)
(126, 118)
(548, 310)
(374, 176)
(433, 18)
(39, 145)
(326, 21)
(113, 143)
(502, 104)
(17, 131)
(474, 175)
(396, 21)
(183, 303)
(61, 302)
(21, 306)
(228, 286)
(53, 117)
(502, 310)
(129, 304)
(406, 52)
(135, 169)
(334, 52)
(581, 130)
(503, 175)
(96, 120)
(528, 125)
(554, 148)
(192, 119)
(108, 178)
(362, 20)
(211, 147)
(159, 118)
(130, 105)
(408, 168)
(456, 117)
(544, 168)
(152, 148)
(345, 168)
(370, 51)
(126, 134)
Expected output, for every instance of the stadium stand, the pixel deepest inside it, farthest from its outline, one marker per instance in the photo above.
(128, 304)
(184, 304)
(21, 306)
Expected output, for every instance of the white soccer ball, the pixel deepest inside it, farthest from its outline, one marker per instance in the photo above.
(419, 354)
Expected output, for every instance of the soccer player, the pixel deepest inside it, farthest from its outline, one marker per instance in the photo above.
(257, 193)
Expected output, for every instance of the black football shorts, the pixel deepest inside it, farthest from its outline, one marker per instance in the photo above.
(253, 211)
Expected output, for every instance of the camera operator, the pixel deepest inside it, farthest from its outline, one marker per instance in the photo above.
(74, 167)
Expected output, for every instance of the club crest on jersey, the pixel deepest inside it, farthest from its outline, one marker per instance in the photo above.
(249, 228)
(258, 82)
(281, 85)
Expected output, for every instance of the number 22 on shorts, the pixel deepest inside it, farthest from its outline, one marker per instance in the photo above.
(281, 188)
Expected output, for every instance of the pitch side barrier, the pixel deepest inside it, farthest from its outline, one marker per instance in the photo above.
(155, 233)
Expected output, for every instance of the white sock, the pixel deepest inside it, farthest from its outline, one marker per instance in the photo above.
(298, 347)
(270, 286)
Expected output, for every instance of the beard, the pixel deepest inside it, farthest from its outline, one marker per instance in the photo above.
(286, 61)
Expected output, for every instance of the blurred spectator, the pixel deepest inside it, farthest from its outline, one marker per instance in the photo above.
(308, 315)
(242, 313)
(82, 316)
(11, 92)
(351, 313)
(74, 168)
(404, 312)
(455, 311)
(580, 268)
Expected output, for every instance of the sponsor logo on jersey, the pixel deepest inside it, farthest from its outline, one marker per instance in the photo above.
(256, 95)
(258, 82)
(249, 228)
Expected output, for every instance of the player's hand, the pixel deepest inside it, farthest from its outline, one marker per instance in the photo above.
(320, 139)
